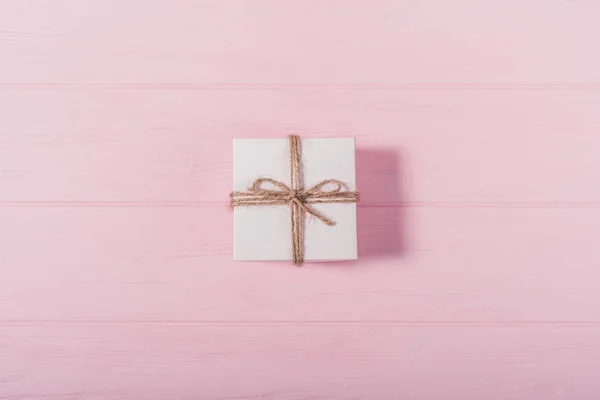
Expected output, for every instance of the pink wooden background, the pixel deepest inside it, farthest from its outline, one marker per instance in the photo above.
(478, 151)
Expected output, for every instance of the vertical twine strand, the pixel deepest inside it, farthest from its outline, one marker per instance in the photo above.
(296, 213)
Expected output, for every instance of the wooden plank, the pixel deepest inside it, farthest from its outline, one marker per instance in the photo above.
(269, 42)
(417, 264)
(431, 147)
(293, 362)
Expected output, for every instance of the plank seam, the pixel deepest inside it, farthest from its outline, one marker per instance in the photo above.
(56, 322)
(592, 86)
(200, 204)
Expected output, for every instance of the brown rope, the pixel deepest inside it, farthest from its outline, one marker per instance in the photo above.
(296, 197)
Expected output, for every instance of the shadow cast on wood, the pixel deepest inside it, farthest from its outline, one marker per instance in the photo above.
(381, 219)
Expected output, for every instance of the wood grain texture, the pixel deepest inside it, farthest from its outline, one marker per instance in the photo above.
(295, 362)
(283, 43)
(478, 143)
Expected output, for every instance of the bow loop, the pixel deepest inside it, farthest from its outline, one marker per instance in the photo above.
(257, 186)
(318, 190)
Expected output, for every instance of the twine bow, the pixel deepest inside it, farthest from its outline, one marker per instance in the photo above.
(296, 197)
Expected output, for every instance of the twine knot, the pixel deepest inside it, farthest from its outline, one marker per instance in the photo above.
(296, 197)
(293, 196)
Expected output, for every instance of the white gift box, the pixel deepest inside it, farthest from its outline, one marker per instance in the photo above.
(264, 232)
